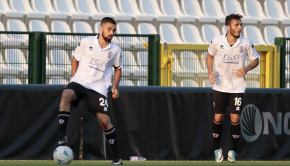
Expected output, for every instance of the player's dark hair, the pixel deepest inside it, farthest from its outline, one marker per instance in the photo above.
(108, 19)
(231, 17)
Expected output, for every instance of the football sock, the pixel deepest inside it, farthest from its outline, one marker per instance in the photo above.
(217, 129)
(112, 140)
(62, 120)
(235, 133)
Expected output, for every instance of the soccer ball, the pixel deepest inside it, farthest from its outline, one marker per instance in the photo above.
(63, 155)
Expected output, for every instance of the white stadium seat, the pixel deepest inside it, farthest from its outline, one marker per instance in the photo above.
(5, 9)
(127, 28)
(192, 8)
(131, 7)
(5, 68)
(46, 6)
(60, 59)
(274, 9)
(37, 26)
(151, 7)
(208, 32)
(287, 31)
(61, 40)
(254, 34)
(253, 84)
(142, 62)
(213, 9)
(172, 8)
(130, 65)
(109, 7)
(253, 8)
(206, 83)
(67, 7)
(24, 6)
(190, 34)
(126, 82)
(146, 28)
(16, 59)
(234, 6)
(18, 26)
(89, 7)
(270, 32)
(81, 27)
(169, 34)
(287, 8)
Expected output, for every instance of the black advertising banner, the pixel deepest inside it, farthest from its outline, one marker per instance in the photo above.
(159, 123)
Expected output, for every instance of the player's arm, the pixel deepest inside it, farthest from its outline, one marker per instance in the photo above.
(243, 71)
(74, 65)
(209, 64)
(117, 78)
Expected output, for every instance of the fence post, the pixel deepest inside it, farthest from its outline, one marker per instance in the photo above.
(153, 60)
(33, 59)
(280, 43)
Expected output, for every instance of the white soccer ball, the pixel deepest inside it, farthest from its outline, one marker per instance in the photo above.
(63, 155)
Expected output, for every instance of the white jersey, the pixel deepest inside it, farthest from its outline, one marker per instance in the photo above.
(95, 64)
(228, 60)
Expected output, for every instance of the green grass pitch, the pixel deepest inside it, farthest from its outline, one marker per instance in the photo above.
(144, 163)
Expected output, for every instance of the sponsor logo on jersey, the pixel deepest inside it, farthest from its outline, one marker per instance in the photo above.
(110, 54)
(91, 48)
(241, 49)
(221, 46)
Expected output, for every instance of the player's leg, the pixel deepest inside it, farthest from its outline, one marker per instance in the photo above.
(235, 103)
(110, 133)
(98, 103)
(219, 104)
(68, 95)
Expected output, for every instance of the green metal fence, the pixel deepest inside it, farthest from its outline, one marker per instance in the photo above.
(283, 44)
(45, 58)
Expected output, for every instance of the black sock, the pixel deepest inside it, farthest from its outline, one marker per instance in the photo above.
(217, 129)
(235, 133)
(112, 140)
(62, 120)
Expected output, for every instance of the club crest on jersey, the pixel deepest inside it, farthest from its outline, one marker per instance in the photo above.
(111, 141)
(241, 49)
(110, 54)
(221, 46)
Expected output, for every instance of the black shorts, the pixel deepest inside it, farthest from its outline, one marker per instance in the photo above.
(96, 102)
(232, 101)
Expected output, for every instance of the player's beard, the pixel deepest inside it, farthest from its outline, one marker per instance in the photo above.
(232, 33)
(106, 38)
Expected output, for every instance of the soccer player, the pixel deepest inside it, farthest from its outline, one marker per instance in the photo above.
(92, 64)
(229, 52)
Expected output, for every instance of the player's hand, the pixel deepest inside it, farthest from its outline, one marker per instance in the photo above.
(115, 93)
(242, 72)
(211, 77)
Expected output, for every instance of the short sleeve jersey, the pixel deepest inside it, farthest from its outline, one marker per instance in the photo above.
(95, 64)
(228, 59)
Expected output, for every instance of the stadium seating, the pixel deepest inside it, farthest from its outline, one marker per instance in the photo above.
(206, 83)
(89, 7)
(67, 7)
(254, 9)
(97, 27)
(16, 59)
(130, 7)
(37, 25)
(169, 34)
(109, 7)
(208, 32)
(126, 82)
(253, 84)
(192, 8)
(46, 6)
(130, 65)
(82, 27)
(274, 9)
(190, 61)
(287, 8)
(190, 34)
(60, 59)
(142, 82)
(172, 8)
(9, 13)
(18, 26)
(151, 7)
(142, 62)
(270, 32)
(287, 31)
(6, 69)
(213, 9)
(254, 34)
(234, 6)
(127, 42)
(61, 40)
(24, 6)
